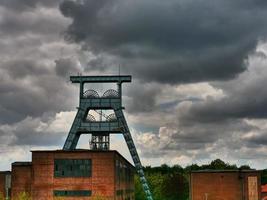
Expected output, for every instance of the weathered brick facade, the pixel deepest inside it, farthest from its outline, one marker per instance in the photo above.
(40, 181)
(21, 178)
(5, 184)
(226, 185)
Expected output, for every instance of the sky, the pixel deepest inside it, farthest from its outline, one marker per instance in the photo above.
(198, 69)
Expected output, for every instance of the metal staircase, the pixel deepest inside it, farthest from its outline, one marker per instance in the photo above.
(100, 130)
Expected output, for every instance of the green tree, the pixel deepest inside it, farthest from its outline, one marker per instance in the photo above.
(264, 177)
(139, 193)
(242, 167)
(175, 187)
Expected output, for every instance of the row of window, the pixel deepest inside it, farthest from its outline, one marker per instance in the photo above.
(72, 167)
(124, 174)
(72, 193)
(79, 193)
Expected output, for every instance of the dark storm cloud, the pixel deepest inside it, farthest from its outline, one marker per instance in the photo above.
(30, 88)
(170, 41)
(257, 140)
(30, 43)
(245, 97)
(141, 98)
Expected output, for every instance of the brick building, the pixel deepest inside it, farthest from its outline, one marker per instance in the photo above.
(5, 184)
(79, 174)
(225, 184)
(264, 192)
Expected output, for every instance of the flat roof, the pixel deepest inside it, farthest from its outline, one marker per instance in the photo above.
(5, 172)
(225, 171)
(22, 163)
(82, 151)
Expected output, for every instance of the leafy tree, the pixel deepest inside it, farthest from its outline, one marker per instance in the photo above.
(264, 177)
(175, 187)
(244, 167)
(139, 193)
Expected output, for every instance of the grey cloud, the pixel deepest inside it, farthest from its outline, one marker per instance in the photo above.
(38, 21)
(24, 67)
(170, 41)
(67, 66)
(30, 131)
(245, 97)
(29, 88)
(142, 97)
(200, 140)
(30, 42)
(20, 5)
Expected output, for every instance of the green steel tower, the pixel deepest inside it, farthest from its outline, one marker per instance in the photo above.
(85, 123)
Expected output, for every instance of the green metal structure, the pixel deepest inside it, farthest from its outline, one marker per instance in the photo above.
(85, 123)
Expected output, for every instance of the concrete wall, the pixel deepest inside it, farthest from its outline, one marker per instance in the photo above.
(224, 185)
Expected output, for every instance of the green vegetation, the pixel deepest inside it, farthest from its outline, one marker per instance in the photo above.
(172, 183)
(23, 196)
(1, 196)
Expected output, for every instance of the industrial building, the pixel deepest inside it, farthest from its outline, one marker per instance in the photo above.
(225, 184)
(79, 174)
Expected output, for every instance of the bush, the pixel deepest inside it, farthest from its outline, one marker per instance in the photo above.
(23, 196)
(1, 196)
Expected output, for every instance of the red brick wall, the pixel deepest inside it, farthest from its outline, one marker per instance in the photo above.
(43, 182)
(252, 174)
(121, 184)
(220, 185)
(21, 179)
(2, 183)
(101, 183)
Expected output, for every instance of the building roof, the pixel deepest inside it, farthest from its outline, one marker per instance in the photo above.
(21, 163)
(5, 172)
(225, 171)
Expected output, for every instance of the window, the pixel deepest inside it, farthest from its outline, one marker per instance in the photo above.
(72, 167)
(72, 193)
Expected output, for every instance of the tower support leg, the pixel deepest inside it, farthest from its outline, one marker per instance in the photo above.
(130, 143)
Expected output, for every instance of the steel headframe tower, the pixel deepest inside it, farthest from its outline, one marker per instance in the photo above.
(85, 123)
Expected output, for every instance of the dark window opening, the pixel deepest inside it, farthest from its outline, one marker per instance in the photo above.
(72, 167)
(72, 193)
